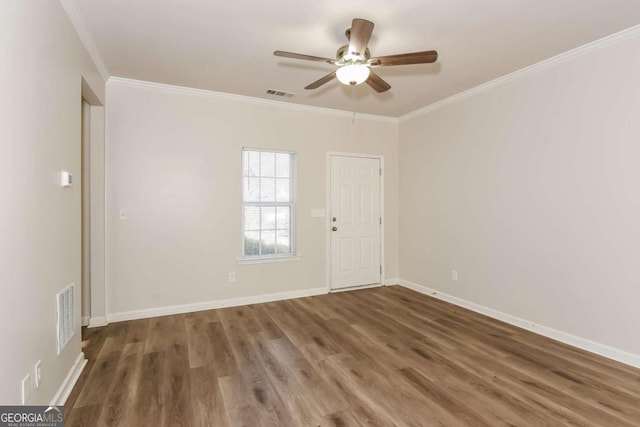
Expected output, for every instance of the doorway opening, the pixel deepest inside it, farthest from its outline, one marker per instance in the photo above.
(93, 305)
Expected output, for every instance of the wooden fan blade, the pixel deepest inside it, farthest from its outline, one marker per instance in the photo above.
(425, 57)
(376, 82)
(322, 81)
(360, 34)
(304, 57)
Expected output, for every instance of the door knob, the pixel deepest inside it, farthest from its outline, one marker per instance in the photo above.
(334, 228)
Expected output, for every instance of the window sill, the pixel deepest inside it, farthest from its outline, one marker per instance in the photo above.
(267, 260)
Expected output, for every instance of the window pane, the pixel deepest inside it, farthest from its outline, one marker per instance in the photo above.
(283, 244)
(283, 218)
(267, 180)
(268, 218)
(251, 243)
(267, 164)
(268, 243)
(251, 189)
(283, 190)
(251, 218)
(283, 165)
(267, 189)
(253, 164)
(245, 163)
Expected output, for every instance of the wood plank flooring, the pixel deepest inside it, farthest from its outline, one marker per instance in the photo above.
(375, 357)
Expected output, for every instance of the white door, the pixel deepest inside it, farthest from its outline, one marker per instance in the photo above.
(355, 221)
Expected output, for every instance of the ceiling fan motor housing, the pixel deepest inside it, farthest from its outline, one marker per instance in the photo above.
(345, 57)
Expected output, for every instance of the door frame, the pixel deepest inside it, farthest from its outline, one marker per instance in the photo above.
(328, 217)
(96, 193)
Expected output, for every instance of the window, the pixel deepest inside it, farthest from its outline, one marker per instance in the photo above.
(267, 203)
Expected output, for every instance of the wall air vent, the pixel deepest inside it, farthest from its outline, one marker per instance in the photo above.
(275, 92)
(66, 315)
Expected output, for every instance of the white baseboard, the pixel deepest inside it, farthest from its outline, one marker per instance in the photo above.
(209, 305)
(61, 396)
(582, 343)
(96, 322)
(357, 288)
(391, 282)
(84, 321)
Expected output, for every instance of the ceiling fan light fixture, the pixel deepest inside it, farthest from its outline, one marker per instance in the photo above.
(354, 59)
(353, 74)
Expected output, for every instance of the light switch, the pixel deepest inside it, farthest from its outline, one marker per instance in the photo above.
(317, 213)
(66, 180)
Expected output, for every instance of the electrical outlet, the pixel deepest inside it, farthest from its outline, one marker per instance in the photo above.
(37, 373)
(454, 275)
(26, 389)
(232, 277)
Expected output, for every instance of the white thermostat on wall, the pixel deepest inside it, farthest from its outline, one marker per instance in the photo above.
(66, 180)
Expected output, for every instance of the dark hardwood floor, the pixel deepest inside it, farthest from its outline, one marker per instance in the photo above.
(381, 357)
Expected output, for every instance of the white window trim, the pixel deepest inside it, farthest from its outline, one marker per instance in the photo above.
(269, 258)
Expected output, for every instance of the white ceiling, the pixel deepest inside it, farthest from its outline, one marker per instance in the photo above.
(227, 45)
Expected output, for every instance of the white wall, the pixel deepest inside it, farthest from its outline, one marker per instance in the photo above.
(173, 162)
(41, 65)
(531, 190)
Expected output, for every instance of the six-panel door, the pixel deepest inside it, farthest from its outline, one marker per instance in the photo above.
(355, 220)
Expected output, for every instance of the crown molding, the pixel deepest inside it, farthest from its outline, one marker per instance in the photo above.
(77, 21)
(602, 43)
(224, 96)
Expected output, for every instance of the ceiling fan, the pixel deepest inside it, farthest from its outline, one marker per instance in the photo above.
(354, 60)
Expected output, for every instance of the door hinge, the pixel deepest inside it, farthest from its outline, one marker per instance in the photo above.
(380, 269)
(380, 170)
(380, 220)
